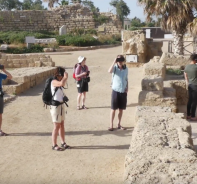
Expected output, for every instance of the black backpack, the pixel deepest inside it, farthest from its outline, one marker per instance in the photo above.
(47, 96)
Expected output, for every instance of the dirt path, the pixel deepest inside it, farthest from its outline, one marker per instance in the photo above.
(97, 156)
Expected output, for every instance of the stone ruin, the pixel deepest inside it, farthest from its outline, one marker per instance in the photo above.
(135, 43)
(26, 60)
(73, 16)
(161, 149)
(28, 70)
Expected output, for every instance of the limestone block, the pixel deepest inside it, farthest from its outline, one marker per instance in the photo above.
(152, 83)
(154, 69)
(17, 65)
(16, 61)
(185, 139)
(10, 65)
(169, 92)
(3, 61)
(31, 64)
(156, 111)
(38, 64)
(149, 96)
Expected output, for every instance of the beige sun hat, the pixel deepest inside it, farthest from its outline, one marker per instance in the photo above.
(80, 59)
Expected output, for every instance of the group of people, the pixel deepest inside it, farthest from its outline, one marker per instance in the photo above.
(118, 99)
(119, 86)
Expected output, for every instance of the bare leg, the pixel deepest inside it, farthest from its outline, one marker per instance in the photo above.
(79, 99)
(62, 132)
(112, 115)
(83, 98)
(120, 116)
(55, 133)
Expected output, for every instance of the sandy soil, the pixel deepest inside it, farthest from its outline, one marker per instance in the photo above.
(97, 155)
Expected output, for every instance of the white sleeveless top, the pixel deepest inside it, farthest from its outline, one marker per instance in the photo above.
(58, 95)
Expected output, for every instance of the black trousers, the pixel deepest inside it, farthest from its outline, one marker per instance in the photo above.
(192, 100)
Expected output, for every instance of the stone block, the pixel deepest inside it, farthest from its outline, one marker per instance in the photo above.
(149, 96)
(152, 83)
(154, 69)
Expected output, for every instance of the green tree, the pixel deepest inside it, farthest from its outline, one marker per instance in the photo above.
(64, 2)
(10, 4)
(175, 16)
(76, 1)
(89, 4)
(122, 10)
(32, 5)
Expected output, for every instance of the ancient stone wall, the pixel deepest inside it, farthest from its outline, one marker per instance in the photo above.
(153, 91)
(25, 60)
(73, 16)
(135, 43)
(161, 149)
(173, 60)
(25, 78)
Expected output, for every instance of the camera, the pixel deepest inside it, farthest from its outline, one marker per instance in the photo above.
(65, 99)
(121, 59)
(1, 93)
(1, 67)
(88, 72)
(61, 71)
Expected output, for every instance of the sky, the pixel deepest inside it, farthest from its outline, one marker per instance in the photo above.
(135, 9)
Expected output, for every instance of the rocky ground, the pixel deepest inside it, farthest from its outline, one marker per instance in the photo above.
(97, 155)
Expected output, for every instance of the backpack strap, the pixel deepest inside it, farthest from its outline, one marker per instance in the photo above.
(55, 91)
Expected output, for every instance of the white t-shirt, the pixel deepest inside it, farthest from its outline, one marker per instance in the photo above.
(58, 95)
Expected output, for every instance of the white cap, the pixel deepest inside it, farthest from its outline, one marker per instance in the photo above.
(80, 59)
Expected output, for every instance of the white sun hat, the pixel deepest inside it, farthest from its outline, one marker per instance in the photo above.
(80, 59)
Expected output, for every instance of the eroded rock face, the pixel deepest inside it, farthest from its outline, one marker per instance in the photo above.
(161, 149)
(135, 43)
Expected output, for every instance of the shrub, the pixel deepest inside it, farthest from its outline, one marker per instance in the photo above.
(20, 50)
(171, 71)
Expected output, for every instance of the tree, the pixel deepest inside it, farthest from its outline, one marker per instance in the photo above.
(90, 5)
(10, 4)
(122, 10)
(32, 5)
(76, 1)
(175, 16)
(64, 2)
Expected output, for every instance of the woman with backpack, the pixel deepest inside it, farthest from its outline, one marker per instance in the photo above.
(82, 77)
(57, 109)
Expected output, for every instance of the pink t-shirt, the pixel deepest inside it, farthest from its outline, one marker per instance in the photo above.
(79, 70)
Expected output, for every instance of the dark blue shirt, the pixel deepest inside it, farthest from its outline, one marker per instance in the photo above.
(2, 77)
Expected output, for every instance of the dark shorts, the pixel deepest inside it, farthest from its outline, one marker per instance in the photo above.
(118, 100)
(83, 86)
(1, 105)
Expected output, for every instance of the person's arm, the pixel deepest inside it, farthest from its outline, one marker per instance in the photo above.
(112, 66)
(9, 76)
(127, 86)
(61, 83)
(186, 78)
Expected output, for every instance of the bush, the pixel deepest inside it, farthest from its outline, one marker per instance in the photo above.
(171, 71)
(19, 36)
(20, 50)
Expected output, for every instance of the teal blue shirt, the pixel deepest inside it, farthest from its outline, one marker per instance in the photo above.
(119, 79)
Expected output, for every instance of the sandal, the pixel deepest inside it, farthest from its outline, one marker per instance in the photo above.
(78, 107)
(84, 107)
(57, 148)
(111, 129)
(188, 117)
(3, 133)
(122, 128)
(65, 146)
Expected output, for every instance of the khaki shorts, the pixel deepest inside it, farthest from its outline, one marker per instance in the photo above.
(57, 113)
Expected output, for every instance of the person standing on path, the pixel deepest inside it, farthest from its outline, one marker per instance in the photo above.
(190, 74)
(7, 75)
(58, 110)
(119, 90)
(81, 73)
